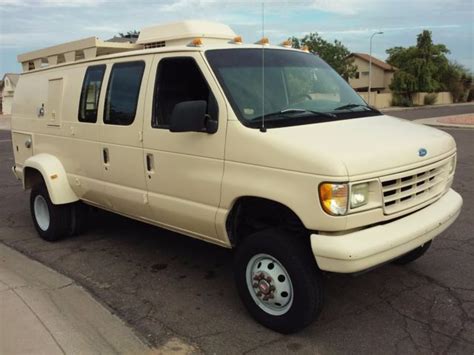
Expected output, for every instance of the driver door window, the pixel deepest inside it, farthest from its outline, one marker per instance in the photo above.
(177, 80)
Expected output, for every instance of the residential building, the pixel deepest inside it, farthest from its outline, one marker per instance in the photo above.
(382, 74)
(8, 90)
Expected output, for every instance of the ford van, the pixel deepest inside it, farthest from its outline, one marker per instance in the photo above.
(261, 148)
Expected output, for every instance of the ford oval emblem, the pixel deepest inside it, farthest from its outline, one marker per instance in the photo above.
(422, 152)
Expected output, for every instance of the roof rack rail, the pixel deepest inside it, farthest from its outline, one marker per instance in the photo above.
(86, 48)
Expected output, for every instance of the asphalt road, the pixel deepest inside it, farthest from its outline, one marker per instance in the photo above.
(165, 285)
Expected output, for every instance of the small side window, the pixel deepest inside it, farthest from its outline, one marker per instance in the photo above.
(123, 92)
(90, 93)
(179, 79)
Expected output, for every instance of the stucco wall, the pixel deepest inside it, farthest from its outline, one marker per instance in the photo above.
(7, 102)
(378, 75)
(384, 100)
(442, 98)
(381, 100)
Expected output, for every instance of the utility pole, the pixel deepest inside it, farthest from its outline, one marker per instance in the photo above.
(370, 64)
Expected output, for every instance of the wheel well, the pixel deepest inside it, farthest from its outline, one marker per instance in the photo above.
(32, 178)
(251, 214)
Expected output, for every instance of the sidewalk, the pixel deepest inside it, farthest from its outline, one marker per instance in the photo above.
(423, 107)
(459, 121)
(43, 312)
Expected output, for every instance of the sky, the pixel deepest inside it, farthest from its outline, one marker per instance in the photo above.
(27, 25)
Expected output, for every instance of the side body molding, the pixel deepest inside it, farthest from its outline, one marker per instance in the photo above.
(54, 176)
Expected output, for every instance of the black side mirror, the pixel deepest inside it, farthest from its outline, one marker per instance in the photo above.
(190, 116)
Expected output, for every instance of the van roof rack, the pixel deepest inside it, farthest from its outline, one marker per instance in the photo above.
(86, 48)
(172, 34)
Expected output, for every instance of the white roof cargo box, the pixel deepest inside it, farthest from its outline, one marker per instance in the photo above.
(183, 32)
(71, 51)
(173, 34)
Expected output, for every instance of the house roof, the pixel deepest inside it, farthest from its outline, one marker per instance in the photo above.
(375, 61)
(12, 77)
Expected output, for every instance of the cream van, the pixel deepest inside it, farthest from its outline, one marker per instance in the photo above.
(186, 130)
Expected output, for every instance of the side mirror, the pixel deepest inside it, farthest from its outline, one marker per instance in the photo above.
(190, 116)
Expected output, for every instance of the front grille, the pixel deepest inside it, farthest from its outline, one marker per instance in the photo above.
(411, 188)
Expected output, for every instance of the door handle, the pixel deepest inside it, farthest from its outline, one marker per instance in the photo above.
(105, 155)
(149, 162)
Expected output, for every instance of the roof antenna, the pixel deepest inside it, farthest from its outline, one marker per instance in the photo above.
(263, 128)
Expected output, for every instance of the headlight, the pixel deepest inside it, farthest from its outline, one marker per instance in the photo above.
(333, 197)
(359, 195)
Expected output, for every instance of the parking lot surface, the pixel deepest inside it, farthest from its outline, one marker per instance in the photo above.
(165, 285)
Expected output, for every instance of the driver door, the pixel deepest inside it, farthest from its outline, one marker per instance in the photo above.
(183, 170)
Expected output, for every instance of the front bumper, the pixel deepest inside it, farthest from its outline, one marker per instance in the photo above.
(366, 248)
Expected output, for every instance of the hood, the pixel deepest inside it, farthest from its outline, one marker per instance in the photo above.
(344, 148)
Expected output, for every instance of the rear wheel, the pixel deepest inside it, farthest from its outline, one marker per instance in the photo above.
(278, 280)
(52, 222)
(413, 255)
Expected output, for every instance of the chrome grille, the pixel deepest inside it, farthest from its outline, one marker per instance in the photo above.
(411, 188)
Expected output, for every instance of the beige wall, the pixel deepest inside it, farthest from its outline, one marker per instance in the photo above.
(384, 100)
(7, 102)
(442, 98)
(378, 75)
(381, 100)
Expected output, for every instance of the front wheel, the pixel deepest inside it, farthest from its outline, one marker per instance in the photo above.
(278, 280)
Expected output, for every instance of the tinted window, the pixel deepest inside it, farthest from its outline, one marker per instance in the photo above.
(122, 93)
(90, 93)
(177, 80)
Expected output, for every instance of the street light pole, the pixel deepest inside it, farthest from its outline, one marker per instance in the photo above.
(370, 64)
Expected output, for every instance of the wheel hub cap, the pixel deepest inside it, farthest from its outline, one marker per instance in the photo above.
(269, 284)
(40, 207)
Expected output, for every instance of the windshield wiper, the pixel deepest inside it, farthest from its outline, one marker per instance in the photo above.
(286, 112)
(302, 110)
(349, 106)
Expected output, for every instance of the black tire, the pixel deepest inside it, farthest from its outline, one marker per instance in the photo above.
(59, 215)
(79, 217)
(413, 255)
(294, 254)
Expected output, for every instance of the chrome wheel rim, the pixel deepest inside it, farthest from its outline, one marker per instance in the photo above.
(41, 212)
(269, 284)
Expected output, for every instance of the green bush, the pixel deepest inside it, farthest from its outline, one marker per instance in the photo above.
(430, 99)
(400, 100)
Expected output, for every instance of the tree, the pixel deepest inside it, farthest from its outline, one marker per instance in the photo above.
(335, 54)
(130, 34)
(420, 67)
(457, 80)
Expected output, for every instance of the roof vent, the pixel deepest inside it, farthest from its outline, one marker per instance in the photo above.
(155, 45)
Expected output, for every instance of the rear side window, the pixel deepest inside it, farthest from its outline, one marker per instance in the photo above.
(123, 92)
(179, 79)
(90, 93)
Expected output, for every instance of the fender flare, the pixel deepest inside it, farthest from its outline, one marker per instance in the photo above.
(54, 176)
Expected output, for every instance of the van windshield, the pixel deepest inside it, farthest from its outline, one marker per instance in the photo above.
(299, 88)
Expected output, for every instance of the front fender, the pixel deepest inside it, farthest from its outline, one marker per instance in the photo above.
(54, 176)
